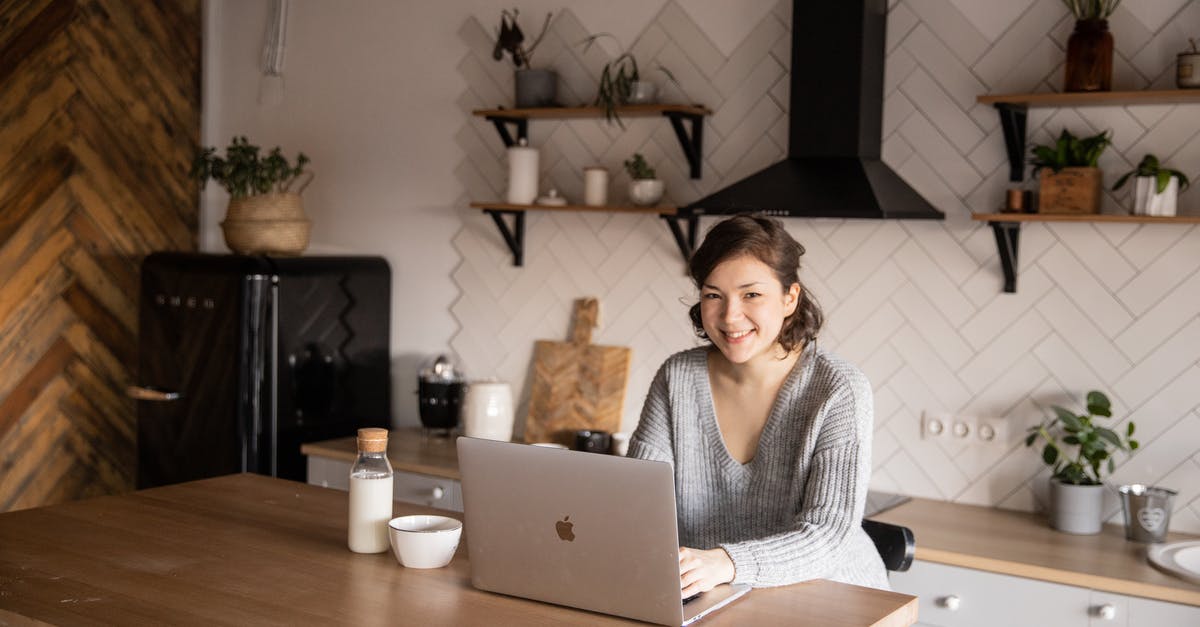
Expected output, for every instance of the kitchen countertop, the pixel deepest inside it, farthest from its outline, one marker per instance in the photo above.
(1024, 545)
(409, 450)
(249, 549)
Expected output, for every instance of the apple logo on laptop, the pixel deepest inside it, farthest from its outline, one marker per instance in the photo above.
(564, 529)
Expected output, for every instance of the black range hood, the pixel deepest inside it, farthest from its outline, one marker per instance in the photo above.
(833, 169)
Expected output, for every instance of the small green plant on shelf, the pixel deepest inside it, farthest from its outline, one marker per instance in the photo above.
(1092, 9)
(245, 172)
(1069, 151)
(1095, 444)
(638, 169)
(617, 80)
(1149, 166)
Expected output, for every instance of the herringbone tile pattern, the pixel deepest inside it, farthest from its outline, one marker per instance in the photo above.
(99, 114)
(917, 306)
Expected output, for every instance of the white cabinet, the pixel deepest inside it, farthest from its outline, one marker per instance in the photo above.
(950, 596)
(406, 486)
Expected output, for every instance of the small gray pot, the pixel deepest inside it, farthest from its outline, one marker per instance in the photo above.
(1076, 508)
(536, 88)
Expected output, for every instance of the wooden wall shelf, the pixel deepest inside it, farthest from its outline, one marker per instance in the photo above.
(1013, 109)
(1007, 229)
(691, 142)
(514, 237)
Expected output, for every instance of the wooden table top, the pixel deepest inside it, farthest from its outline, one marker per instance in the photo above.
(247, 549)
(1023, 544)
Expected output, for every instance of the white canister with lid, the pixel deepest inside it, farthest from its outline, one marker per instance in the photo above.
(488, 411)
(522, 174)
(595, 186)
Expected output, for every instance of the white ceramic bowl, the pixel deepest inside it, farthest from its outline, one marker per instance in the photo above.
(424, 541)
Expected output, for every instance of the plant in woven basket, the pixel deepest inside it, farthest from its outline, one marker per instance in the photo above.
(244, 171)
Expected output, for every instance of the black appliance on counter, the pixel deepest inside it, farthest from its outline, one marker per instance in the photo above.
(241, 359)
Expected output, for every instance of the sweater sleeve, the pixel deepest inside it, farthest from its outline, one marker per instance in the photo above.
(817, 540)
(652, 438)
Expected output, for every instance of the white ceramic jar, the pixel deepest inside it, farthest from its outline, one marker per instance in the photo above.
(488, 411)
(595, 186)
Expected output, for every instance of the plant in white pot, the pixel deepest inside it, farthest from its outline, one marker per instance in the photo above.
(1079, 450)
(645, 190)
(264, 215)
(534, 88)
(1156, 187)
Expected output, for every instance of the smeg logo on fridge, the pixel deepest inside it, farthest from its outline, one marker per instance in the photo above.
(190, 302)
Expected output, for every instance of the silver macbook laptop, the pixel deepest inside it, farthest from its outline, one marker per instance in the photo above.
(596, 532)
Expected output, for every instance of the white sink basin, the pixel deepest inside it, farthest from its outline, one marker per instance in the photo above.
(1181, 559)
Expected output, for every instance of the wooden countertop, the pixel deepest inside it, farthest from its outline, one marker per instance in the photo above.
(248, 549)
(409, 450)
(1023, 544)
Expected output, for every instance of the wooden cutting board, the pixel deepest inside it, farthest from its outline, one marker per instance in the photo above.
(576, 384)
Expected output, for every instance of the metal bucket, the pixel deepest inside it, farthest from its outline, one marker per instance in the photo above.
(1147, 512)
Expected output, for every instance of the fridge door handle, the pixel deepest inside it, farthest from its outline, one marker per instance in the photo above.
(150, 393)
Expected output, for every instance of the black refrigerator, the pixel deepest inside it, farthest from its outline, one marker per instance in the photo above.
(241, 359)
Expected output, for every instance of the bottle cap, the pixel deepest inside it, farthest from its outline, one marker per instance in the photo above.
(372, 440)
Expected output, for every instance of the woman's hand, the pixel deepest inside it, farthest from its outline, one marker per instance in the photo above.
(701, 571)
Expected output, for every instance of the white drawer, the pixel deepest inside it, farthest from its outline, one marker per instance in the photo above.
(987, 599)
(426, 490)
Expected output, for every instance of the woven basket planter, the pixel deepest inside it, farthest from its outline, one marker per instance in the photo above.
(272, 224)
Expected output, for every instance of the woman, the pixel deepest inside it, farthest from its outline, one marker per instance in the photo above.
(769, 436)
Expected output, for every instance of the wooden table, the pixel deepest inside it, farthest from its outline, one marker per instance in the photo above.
(247, 549)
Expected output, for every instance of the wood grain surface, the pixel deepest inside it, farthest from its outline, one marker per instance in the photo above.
(99, 118)
(253, 550)
(576, 384)
(1023, 544)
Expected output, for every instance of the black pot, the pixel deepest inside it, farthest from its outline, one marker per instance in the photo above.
(439, 403)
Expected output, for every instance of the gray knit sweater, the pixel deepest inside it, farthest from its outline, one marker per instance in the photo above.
(793, 512)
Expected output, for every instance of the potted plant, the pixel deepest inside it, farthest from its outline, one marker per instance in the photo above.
(1157, 187)
(645, 189)
(621, 83)
(264, 215)
(1187, 67)
(1079, 450)
(1090, 46)
(534, 88)
(1073, 183)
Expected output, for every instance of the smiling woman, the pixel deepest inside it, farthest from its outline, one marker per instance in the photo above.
(769, 436)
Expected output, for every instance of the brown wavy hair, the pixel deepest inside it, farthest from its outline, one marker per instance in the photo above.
(765, 240)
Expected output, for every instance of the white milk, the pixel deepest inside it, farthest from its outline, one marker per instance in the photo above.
(370, 511)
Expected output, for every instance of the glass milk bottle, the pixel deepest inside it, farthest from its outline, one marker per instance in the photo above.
(370, 493)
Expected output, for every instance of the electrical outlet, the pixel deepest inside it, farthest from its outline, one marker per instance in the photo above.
(965, 430)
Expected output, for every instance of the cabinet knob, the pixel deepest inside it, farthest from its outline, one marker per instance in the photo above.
(951, 602)
(437, 492)
(1105, 612)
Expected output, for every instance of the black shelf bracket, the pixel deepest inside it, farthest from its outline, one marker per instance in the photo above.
(502, 121)
(693, 143)
(515, 237)
(1012, 121)
(686, 242)
(1007, 236)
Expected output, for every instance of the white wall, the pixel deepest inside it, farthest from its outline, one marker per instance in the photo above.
(379, 93)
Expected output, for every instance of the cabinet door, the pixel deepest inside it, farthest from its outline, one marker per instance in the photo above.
(1161, 613)
(950, 596)
(329, 473)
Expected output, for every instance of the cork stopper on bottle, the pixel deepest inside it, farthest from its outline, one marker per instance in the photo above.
(372, 440)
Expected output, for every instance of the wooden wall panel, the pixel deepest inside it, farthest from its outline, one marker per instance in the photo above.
(99, 118)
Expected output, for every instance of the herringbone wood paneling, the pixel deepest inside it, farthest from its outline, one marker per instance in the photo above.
(99, 117)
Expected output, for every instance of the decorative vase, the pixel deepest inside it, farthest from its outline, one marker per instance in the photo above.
(1076, 508)
(1147, 201)
(536, 88)
(645, 192)
(270, 224)
(1089, 57)
(1070, 190)
(487, 411)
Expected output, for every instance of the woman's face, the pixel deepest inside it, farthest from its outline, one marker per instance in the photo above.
(742, 308)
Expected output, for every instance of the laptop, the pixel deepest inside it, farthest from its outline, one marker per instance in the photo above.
(595, 532)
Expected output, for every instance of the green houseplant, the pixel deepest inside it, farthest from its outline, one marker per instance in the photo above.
(533, 88)
(1079, 450)
(621, 82)
(1072, 184)
(1156, 188)
(645, 189)
(265, 214)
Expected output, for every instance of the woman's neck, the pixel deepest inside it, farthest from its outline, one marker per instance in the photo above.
(766, 369)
